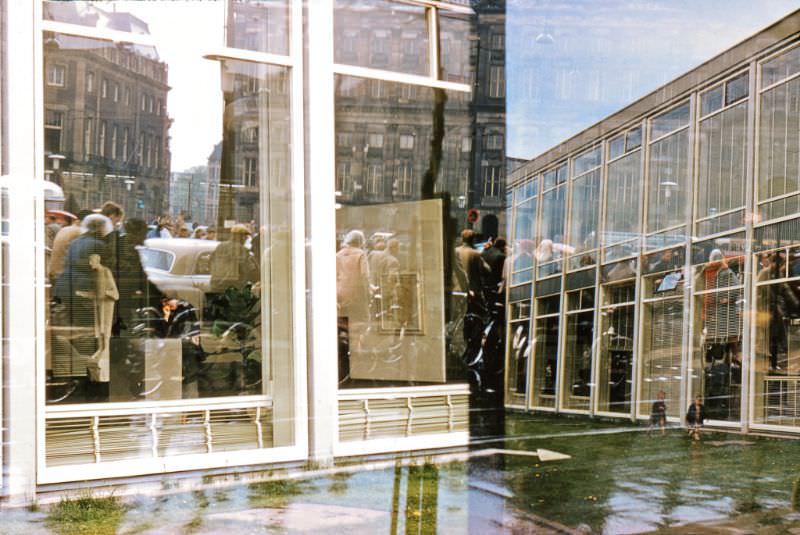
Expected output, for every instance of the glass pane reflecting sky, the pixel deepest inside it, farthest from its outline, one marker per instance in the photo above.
(570, 63)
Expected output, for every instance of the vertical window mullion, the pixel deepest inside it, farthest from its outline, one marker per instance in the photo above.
(433, 41)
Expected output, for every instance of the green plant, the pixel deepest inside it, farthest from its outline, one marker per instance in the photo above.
(86, 515)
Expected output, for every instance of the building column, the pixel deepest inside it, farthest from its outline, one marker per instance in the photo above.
(23, 310)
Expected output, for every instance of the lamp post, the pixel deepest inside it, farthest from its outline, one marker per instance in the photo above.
(55, 165)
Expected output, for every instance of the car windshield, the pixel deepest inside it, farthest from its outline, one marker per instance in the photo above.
(156, 259)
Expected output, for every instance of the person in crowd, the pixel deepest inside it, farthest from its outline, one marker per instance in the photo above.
(115, 214)
(658, 412)
(61, 243)
(352, 293)
(75, 286)
(185, 231)
(232, 264)
(495, 257)
(695, 417)
(211, 233)
(199, 233)
(474, 272)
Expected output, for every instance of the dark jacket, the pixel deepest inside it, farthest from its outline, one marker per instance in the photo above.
(78, 275)
(695, 415)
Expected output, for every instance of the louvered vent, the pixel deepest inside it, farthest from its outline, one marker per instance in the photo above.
(402, 416)
(113, 437)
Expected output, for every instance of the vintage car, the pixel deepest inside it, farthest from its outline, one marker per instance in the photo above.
(179, 267)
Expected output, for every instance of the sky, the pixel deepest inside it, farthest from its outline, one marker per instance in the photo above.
(184, 31)
(570, 63)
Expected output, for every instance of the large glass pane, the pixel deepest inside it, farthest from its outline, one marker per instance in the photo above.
(181, 286)
(524, 239)
(781, 67)
(584, 213)
(578, 358)
(259, 25)
(545, 364)
(662, 338)
(408, 312)
(519, 348)
(391, 36)
(722, 168)
(623, 198)
(779, 147)
(668, 185)
(615, 379)
(551, 248)
(776, 357)
(717, 362)
(455, 31)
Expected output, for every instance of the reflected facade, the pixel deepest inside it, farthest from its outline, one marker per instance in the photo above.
(665, 249)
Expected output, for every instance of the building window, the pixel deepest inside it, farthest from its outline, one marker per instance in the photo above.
(127, 96)
(408, 92)
(492, 177)
(53, 127)
(116, 93)
(404, 179)
(104, 88)
(159, 107)
(56, 75)
(150, 104)
(497, 81)
(498, 41)
(157, 150)
(144, 102)
(90, 82)
(250, 134)
(114, 151)
(343, 176)
(466, 144)
(377, 89)
(375, 140)
(494, 142)
(250, 177)
(125, 140)
(140, 149)
(344, 139)
(148, 150)
(88, 135)
(374, 178)
(406, 141)
(102, 141)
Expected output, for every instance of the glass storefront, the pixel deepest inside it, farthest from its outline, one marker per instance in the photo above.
(665, 250)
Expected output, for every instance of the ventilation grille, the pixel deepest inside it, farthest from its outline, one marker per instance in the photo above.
(403, 416)
(106, 438)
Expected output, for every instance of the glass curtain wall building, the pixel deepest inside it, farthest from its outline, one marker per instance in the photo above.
(654, 253)
(243, 248)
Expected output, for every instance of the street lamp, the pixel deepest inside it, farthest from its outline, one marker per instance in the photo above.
(55, 165)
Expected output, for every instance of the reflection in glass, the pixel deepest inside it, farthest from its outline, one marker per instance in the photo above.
(524, 239)
(167, 293)
(391, 236)
(667, 193)
(777, 362)
(520, 351)
(662, 337)
(545, 365)
(578, 359)
(614, 383)
(392, 36)
(779, 131)
(551, 248)
(584, 212)
(259, 25)
(623, 197)
(717, 365)
(721, 183)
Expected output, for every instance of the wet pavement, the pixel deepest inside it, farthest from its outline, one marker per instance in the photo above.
(619, 478)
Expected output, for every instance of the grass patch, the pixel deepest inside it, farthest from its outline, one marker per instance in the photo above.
(86, 515)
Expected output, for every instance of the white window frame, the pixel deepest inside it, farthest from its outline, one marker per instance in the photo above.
(56, 74)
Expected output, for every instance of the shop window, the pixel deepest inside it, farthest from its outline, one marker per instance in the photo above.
(545, 363)
(576, 387)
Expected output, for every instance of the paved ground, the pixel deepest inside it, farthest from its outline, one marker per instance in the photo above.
(617, 478)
